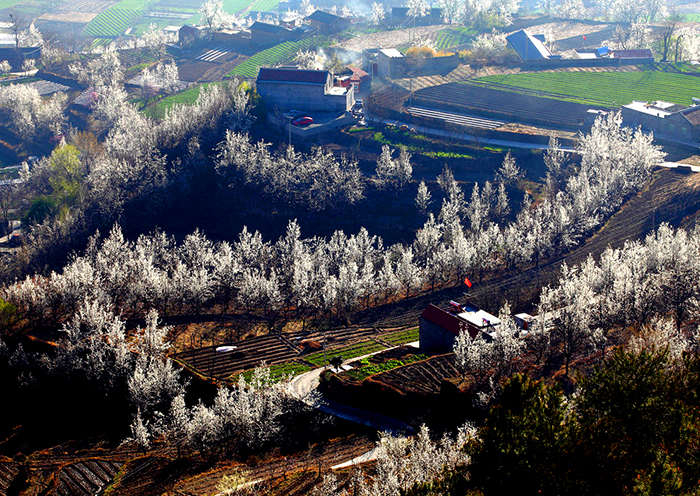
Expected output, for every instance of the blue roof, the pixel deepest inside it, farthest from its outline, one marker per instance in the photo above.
(527, 46)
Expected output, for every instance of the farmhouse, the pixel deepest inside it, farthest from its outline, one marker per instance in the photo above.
(527, 46)
(439, 327)
(666, 120)
(327, 23)
(264, 34)
(389, 63)
(305, 90)
(359, 78)
(232, 38)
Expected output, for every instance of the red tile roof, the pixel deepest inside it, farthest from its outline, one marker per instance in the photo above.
(447, 320)
(357, 72)
(292, 75)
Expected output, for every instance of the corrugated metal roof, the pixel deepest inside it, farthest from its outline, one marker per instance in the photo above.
(391, 53)
(527, 46)
(292, 75)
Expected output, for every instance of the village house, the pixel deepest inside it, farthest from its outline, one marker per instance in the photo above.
(327, 23)
(440, 327)
(528, 46)
(306, 90)
(263, 34)
(666, 120)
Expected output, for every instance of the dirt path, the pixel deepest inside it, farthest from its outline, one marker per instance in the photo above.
(670, 197)
(305, 384)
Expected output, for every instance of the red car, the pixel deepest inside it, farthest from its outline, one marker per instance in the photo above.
(303, 121)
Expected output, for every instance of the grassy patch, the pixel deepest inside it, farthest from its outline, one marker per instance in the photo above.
(264, 5)
(6, 4)
(360, 129)
(321, 358)
(277, 54)
(401, 337)
(368, 369)
(609, 89)
(278, 371)
(235, 6)
(186, 97)
(414, 143)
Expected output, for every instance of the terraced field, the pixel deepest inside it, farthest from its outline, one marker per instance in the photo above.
(322, 358)
(86, 478)
(284, 353)
(264, 5)
(423, 377)
(610, 89)
(116, 20)
(452, 37)
(235, 6)
(403, 336)
(482, 100)
(278, 54)
(8, 472)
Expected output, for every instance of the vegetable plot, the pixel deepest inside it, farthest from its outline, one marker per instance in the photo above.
(598, 88)
(277, 54)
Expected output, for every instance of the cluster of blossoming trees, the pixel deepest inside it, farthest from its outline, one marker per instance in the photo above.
(342, 274)
(651, 285)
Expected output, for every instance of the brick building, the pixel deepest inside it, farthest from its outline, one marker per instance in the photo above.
(666, 120)
(440, 327)
(306, 90)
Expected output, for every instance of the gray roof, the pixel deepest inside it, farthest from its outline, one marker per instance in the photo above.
(527, 46)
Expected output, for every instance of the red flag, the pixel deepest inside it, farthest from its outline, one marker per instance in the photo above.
(467, 282)
(584, 37)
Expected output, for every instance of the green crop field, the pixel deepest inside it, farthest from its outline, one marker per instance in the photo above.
(235, 6)
(322, 358)
(610, 89)
(452, 37)
(401, 337)
(6, 4)
(186, 97)
(367, 368)
(264, 5)
(278, 54)
(113, 21)
(278, 371)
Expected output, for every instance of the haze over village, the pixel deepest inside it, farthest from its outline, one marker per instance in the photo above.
(349, 248)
